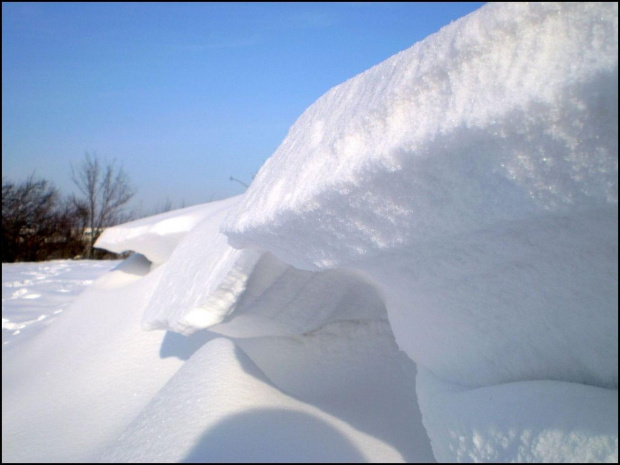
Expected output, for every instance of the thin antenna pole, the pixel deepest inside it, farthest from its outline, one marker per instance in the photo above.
(240, 182)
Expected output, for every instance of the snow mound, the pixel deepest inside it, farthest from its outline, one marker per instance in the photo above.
(473, 179)
(221, 415)
(507, 113)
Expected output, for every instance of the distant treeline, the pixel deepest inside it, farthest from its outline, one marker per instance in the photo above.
(38, 223)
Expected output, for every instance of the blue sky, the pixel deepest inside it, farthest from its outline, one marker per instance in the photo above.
(182, 95)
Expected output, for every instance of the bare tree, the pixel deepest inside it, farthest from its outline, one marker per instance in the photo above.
(106, 190)
(28, 217)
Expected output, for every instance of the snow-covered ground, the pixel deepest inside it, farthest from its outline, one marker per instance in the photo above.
(425, 269)
(35, 294)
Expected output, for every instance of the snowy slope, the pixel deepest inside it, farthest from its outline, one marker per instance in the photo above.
(74, 386)
(451, 212)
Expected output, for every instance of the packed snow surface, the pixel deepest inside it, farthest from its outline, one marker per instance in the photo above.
(426, 268)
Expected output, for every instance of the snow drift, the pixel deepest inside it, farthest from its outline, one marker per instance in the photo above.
(456, 203)
(473, 177)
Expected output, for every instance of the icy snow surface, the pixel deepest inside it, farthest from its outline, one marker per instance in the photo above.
(451, 212)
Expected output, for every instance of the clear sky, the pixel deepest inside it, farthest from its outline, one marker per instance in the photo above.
(183, 95)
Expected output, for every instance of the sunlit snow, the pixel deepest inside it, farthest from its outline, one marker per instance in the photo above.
(425, 269)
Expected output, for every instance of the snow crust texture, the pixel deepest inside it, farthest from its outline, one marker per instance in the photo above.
(506, 113)
(527, 421)
(473, 179)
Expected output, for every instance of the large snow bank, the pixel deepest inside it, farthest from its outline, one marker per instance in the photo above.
(457, 202)
(473, 178)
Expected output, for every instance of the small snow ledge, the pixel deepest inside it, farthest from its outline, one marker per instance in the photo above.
(157, 236)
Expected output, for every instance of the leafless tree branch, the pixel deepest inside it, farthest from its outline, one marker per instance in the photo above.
(106, 190)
